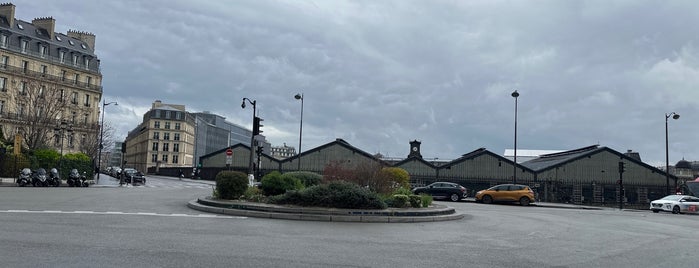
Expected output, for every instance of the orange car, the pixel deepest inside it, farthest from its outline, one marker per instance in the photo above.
(506, 193)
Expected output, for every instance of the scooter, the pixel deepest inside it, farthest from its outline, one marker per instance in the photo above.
(25, 177)
(76, 180)
(54, 178)
(39, 178)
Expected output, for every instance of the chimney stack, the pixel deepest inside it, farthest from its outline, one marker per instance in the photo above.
(7, 10)
(48, 24)
(86, 37)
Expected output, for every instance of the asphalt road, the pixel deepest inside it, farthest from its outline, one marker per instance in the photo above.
(152, 227)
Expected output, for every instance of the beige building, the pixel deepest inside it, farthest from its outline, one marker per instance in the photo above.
(164, 139)
(50, 84)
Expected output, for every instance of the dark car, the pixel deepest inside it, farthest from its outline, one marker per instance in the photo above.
(133, 176)
(443, 190)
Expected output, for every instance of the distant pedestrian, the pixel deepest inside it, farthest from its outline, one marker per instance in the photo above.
(181, 174)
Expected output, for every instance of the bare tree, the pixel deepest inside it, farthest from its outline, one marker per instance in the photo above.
(39, 106)
(91, 145)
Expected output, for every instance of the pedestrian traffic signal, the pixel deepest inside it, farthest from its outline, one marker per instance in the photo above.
(256, 126)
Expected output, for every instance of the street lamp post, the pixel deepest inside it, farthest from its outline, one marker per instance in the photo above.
(667, 152)
(99, 155)
(300, 97)
(251, 177)
(515, 94)
(63, 127)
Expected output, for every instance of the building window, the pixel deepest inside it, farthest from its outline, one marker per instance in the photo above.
(156, 124)
(174, 159)
(20, 109)
(23, 88)
(62, 56)
(42, 51)
(3, 82)
(75, 60)
(175, 147)
(42, 89)
(63, 75)
(177, 126)
(3, 40)
(83, 139)
(167, 114)
(156, 135)
(155, 146)
(154, 158)
(88, 81)
(167, 125)
(85, 118)
(44, 69)
(165, 158)
(2, 106)
(25, 66)
(23, 46)
(73, 117)
(87, 63)
(70, 141)
(62, 97)
(177, 136)
(5, 60)
(166, 147)
(77, 77)
(166, 136)
(74, 98)
(87, 100)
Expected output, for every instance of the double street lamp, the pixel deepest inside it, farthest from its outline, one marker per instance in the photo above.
(667, 153)
(101, 145)
(515, 94)
(252, 136)
(62, 128)
(300, 97)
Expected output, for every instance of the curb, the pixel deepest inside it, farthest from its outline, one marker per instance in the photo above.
(247, 209)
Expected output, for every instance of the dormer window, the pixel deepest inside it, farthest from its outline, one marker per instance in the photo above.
(71, 42)
(42, 51)
(58, 38)
(62, 56)
(19, 26)
(83, 46)
(23, 46)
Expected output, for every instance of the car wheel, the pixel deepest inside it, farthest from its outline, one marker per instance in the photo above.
(487, 199)
(656, 211)
(454, 197)
(676, 210)
(524, 201)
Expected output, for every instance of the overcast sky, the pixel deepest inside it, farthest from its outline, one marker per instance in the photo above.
(379, 74)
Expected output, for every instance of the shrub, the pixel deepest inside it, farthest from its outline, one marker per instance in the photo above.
(402, 190)
(395, 177)
(415, 200)
(231, 184)
(337, 194)
(307, 178)
(275, 184)
(400, 200)
(426, 200)
(254, 194)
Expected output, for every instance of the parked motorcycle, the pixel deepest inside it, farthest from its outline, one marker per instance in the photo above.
(25, 177)
(54, 178)
(39, 178)
(76, 180)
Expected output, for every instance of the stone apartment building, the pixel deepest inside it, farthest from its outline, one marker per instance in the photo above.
(164, 139)
(50, 84)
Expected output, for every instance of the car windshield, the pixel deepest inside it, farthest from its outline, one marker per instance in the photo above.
(672, 197)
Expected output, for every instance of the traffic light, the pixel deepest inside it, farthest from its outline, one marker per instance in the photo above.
(622, 168)
(123, 147)
(256, 125)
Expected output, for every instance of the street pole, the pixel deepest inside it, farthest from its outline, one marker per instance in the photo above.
(99, 155)
(515, 94)
(298, 155)
(667, 152)
(251, 175)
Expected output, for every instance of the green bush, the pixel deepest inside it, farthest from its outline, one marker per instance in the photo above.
(402, 190)
(415, 200)
(426, 200)
(231, 184)
(337, 194)
(307, 178)
(254, 194)
(400, 200)
(275, 184)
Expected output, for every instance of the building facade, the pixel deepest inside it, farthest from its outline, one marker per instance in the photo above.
(282, 152)
(50, 84)
(165, 139)
(213, 132)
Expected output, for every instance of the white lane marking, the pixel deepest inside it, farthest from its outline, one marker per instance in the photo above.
(123, 213)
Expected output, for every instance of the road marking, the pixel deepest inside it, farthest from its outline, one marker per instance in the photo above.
(122, 213)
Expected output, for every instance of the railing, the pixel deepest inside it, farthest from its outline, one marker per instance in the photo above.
(49, 77)
(24, 117)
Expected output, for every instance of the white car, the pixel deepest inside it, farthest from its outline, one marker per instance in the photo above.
(676, 204)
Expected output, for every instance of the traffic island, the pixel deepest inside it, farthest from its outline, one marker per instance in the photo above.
(263, 210)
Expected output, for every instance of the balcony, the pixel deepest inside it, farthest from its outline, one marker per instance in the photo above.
(48, 77)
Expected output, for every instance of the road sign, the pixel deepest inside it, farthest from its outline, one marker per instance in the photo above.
(229, 152)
